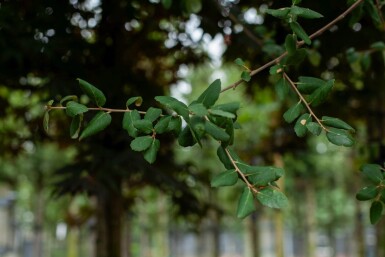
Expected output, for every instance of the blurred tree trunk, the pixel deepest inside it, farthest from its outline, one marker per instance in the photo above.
(311, 223)
(252, 247)
(278, 218)
(38, 217)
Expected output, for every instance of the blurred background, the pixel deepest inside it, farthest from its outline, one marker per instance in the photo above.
(64, 198)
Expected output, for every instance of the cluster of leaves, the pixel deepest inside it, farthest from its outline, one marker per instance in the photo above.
(375, 191)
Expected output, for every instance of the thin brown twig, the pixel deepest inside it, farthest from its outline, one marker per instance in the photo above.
(109, 110)
(300, 43)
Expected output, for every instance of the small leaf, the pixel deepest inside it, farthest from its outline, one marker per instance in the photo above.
(281, 13)
(162, 125)
(372, 172)
(98, 123)
(245, 76)
(141, 143)
(305, 12)
(92, 92)
(74, 108)
(221, 153)
(151, 153)
(216, 132)
(320, 94)
(186, 137)
(375, 212)
(144, 126)
(75, 126)
(367, 193)
(291, 44)
(282, 88)
(239, 62)
(174, 104)
(300, 126)
(226, 178)
(128, 120)
(272, 198)
(175, 125)
(260, 175)
(276, 69)
(221, 113)
(378, 45)
(314, 128)
(198, 109)
(293, 112)
(300, 32)
(336, 123)
(227, 107)
(46, 122)
(152, 114)
(297, 57)
(339, 137)
(211, 94)
(136, 99)
(246, 203)
(68, 98)
(308, 85)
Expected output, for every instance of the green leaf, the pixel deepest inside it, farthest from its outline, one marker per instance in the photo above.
(282, 88)
(144, 126)
(46, 122)
(186, 137)
(308, 85)
(281, 13)
(162, 125)
(336, 123)
(300, 32)
(197, 125)
(375, 212)
(367, 193)
(128, 120)
(239, 62)
(226, 178)
(293, 112)
(296, 1)
(246, 203)
(305, 12)
(174, 104)
(74, 108)
(150, 154)
(260, 175)
(92, 92)
(314, 128)
(98, 123)
(75, 126)
(152, 114)
(138, 100)
(175, 125)
(216, 132)
(272, 198)
(221, 153)
(378, 45)
(291, 44)
(245, 76)
(211, 94)
(276, 69)
(297, 57)
(221, 113)
(372, 172)
(141, 143)
(321, 93)
(198, 109)
(167, 4)
(339, 137)
(227, 107)
(69, 98)
(300, 126)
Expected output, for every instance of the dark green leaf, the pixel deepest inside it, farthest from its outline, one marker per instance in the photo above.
(174, 104)
(246, 203)
(92, 92)
(186, 138)
(281, 13)
(98, 123)
(272, 198)
(46, 122)
(222, 155)
(367, 193)
(162, 125)
(296, 1)
(68, 98)
(141, 143)
(293, 112)
(372, 172)
(282, 88)
(314, 128)
(175, 125)
(378, 45)
(222, 113)
(339, 137)
(128, 120)
(167, 4)
(300, 32)
(372, 10)
(260, 175)
(150, 154)
(152, 114)
(300, 126)
(308, 85)
(228, 107)
(320, 94)
(375, 212)
(198, 109)
(74, 108)
(211, 94)
(245, 76)
(216, 132)
(136, 99)
(75, 126)
(336, 123)
(305, 12)
(226, 178)
(291, 44)
(297, 57)
(144, 126)
(239, 62)
(276, 69)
